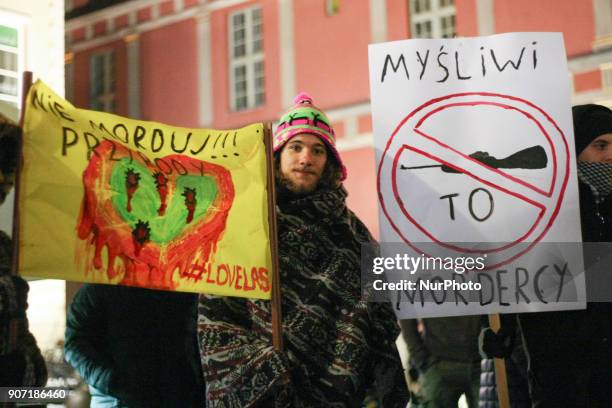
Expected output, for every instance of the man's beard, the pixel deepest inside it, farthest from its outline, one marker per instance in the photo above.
(295, 189)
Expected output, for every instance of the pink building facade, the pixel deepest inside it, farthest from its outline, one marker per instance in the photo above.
(225, 63)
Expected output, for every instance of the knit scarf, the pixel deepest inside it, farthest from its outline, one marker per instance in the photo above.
(598, 176)
(325, 204)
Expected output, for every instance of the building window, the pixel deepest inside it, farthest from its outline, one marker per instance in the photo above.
(247, 79)
(11, 62)
(69, 76)
(432, 18)
(606, 75)
(332, 7)
(102, 95)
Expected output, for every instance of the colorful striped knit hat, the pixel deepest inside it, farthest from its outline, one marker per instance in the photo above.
(305, 117)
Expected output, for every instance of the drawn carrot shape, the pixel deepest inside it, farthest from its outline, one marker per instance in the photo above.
(131, 184)
(161, 182)
(190, 202)
(140, 235)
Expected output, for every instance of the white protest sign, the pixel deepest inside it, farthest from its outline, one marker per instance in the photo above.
(475, 157)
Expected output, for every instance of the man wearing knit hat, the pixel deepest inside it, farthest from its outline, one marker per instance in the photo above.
(337, 345)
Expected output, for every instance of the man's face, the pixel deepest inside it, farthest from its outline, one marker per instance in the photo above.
(6, 184)
(599, 150)
(302, 162)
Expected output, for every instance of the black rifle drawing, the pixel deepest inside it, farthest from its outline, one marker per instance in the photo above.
(533, 157)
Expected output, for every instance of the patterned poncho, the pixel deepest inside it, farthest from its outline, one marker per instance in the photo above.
(336, 345)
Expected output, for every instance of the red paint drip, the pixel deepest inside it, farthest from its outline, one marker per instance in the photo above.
(146, 263)
(190, 203)
(161, 182)
(140, 236)
(131, 184)
(191, 209)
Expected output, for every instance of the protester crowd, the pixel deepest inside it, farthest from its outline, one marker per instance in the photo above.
(137, 347)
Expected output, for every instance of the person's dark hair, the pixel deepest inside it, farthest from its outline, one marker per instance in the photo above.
(332, 174)
(9, 141)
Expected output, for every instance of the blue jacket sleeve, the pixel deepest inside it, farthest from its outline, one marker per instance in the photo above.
(85, 343)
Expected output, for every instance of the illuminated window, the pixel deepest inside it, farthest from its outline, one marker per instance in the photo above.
(247, 79)
(102, 82)
(11, 61)
(432, 18)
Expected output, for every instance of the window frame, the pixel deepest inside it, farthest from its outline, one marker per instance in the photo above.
(20, 24)
(332, 7)
(254, 96)
(606, 75)
(433, 16)
(108, 96)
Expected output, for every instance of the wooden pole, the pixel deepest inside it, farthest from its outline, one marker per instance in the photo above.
(500, 368)
(14, 328)
(26, 84)
(277, 317)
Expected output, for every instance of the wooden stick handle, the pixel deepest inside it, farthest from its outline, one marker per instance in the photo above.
(500, 368)
(277, 318)
(25, 88)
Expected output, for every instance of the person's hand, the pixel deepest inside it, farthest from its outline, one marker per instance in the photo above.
(498, 344)
(413, 374)
(421, 360)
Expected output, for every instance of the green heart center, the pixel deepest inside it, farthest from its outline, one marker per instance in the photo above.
(138, 198)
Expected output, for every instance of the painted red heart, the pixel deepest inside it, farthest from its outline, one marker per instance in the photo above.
(155, 216)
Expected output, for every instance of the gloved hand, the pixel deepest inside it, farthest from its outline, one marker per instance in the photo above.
(21, 288)
(500, 344)
(413, 374)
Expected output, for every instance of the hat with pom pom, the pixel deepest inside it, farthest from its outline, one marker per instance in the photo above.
(305, 117)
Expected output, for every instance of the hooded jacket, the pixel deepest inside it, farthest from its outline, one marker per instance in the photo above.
(569, 351)
(135, 347)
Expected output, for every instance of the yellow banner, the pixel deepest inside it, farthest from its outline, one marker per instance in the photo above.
(114, 200)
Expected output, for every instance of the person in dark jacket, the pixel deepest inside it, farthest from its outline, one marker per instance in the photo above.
(570, 352)
(444, 353)
(21, 362)
(336, 344)
(135, 347)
